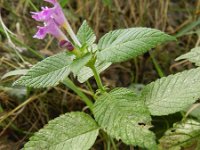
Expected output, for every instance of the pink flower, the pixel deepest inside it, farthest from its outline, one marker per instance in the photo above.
(53, 19)
(44, 15)
(50, 28)
(47, 13)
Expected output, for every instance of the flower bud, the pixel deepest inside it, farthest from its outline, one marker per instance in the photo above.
(66, 44)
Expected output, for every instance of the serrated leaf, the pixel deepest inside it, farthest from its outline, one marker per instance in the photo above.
(173, 93)
(79, 63)
(86, 35)
(193, 56)
(123, 116)
(72, 131)
(182, 135)
(85, 73)
(124, 44)
(48, 72)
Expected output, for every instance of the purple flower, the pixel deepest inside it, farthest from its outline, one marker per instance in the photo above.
(44, 15)
(53, 19)
(50, 28)
(47, 13)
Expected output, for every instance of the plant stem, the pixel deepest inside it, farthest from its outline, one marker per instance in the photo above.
(113, 144)
(97, 78)
(107, 139)
(157, 66)
(89, 86)
(108, 144)
(84, 98)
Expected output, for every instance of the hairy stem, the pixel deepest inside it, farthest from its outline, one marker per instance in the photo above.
(97, 78)
(84, 98)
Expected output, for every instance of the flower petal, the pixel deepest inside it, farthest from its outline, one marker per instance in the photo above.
(50, 28)
(58, 15)
(41, 33)
(43, 15)
(48, 13)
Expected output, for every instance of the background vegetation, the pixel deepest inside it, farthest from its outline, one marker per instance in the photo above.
(24, 111)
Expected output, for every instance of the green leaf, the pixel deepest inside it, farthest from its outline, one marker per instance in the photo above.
(182, 135)
(48, 72)
(73, 131)
(86, 35)
(193, 56)
(124, 44)
(123, 116)
(79, 63)
(85, 73)
(173, 93)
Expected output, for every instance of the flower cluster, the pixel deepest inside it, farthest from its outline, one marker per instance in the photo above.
(53, 19)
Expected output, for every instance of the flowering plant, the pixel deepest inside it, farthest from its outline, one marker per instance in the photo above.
(117, 114)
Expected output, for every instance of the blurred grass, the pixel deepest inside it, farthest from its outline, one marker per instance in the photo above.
(180, 18)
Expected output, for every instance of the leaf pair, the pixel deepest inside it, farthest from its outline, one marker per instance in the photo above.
(119, 113)
(116, 46)
(126, 116)
(119, 45)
